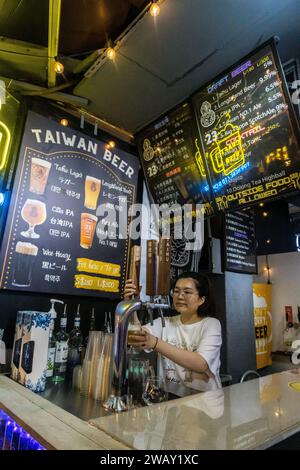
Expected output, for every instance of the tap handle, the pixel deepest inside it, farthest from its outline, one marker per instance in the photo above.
(163, 322)
(150, 314)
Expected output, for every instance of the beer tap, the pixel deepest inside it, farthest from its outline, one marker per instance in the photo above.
(118, 401)
(150, 312)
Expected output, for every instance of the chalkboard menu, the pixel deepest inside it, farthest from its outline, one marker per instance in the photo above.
(250, 139)
(169, 151)
(58, 236)
(240, 243)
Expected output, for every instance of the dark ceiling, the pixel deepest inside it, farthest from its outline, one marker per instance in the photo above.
(25, 20)
(159, 62)
(85, 25)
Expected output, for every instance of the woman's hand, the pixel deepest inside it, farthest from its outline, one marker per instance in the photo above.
(142, 340)
(130, 290)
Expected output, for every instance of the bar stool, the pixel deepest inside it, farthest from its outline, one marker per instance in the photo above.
(249, 375)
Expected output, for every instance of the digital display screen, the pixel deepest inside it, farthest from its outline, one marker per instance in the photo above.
(169, 150)
(249, 135)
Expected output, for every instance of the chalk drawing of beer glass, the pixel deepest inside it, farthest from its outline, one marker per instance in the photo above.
(34, 213)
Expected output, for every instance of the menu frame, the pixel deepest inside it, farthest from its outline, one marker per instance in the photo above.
(26, 154)
(225, 263)
(272, 43)
(195, 131)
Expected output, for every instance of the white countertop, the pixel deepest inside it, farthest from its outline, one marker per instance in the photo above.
(252, 415)
(60, 429)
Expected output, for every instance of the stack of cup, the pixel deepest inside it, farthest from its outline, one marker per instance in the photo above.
(102, 378)
(93, 352)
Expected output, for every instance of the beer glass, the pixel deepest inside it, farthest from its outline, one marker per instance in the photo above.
(25, 256)
(39, 173)
(34, 213)
(87, 229)
(139, 371)
(92, 189)
(134, 326)
(155, 391)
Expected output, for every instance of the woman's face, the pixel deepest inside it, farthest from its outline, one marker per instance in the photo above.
(186, 298)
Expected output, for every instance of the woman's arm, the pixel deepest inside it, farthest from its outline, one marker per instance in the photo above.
(187, 359)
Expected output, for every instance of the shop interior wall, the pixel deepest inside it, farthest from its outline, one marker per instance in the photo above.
(285, 279)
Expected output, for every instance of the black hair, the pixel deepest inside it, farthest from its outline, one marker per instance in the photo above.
(203, 286)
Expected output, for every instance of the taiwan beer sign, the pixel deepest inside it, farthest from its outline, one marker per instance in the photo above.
(249, 133)
(55, 236)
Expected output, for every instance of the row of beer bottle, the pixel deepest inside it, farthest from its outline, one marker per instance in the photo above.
(65, 351)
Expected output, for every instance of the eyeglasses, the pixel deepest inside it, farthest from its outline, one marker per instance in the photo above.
(186, 293)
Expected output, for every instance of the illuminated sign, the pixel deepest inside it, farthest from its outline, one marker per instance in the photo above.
(9, 108)
(246, 122)
(4, 144)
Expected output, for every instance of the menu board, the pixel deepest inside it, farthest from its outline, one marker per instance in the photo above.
(250, 138)
(240, 242)
(170, 150)
(67, 223)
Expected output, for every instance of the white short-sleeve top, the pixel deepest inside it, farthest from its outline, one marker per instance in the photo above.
(203, 337)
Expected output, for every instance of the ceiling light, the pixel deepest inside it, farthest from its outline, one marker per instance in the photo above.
(111, 53)
(64, 122)
(110, 145)
(268, 241)
(261, 204)
(58, 67)
(265, 214)
(154, 9)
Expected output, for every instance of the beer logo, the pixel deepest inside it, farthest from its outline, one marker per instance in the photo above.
(208, 116)
(148, 153)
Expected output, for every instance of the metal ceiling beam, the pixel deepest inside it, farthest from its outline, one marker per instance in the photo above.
(15, 46)
(34, 90)
(53, 38)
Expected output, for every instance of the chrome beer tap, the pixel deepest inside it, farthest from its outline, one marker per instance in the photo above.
(117, 402)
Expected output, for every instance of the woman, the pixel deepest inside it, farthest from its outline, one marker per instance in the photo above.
(189, 345)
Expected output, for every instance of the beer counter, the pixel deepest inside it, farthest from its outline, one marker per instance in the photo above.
(257, 414)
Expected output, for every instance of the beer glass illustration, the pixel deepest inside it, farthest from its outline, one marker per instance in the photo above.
(25, 256)
(228, 155)
(34, 213)
(87, 229)
(92, 189)
(39, 173)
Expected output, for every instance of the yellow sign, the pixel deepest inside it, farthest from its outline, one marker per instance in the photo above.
(262, 302)
(98, 267)
(83, 281)
(295, 386)
(4, 144)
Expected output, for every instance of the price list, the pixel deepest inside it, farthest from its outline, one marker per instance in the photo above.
(250, 139)
(67, 224)
(240, 243)
(169, 151)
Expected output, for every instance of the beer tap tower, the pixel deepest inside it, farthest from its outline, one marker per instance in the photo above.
(157, 284)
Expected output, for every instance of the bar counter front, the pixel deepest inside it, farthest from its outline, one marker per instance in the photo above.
(256, 414)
